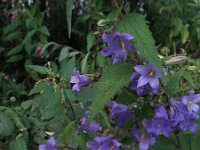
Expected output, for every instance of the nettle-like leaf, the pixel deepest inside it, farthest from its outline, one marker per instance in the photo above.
(115, 78)
(135, 25)
(18, 144)
(6, 125)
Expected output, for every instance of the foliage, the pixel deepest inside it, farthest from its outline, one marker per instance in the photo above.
(42, 41)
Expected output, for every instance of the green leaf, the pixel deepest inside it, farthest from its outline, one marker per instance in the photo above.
(63, 53)
(90, 40)
(115, 78)
(135, 25)
(15, 50)
(67, 67)
(6, 125)
(69, 6)
(67, 131)
(18, 144)
(14, 58)
(38, 88)
(172, 86)
(84, 65)
(39, 69)
(164, 144)
(44, 30)
(86, 94)
(12, 36)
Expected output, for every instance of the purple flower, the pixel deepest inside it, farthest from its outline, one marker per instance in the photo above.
(145, 78)
(104, 143)
(159, 124)
(49, 146)
(119, 113)
(118, 46)
(78, 80)
(93, 127)
(181, 118)
(191, 101)
(145, 139)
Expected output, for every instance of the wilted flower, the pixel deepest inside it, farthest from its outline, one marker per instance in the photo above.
(78, 80)
(104, 143)
(118, 46)
(120, 113)
(50, 145)
(145, 139)
(191, 101)
(39, 52)
(159, 124)
(145, 78)
(93, 127)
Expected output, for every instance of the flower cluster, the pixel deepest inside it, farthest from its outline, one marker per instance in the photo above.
(118, 46)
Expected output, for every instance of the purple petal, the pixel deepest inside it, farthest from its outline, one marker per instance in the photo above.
(74, 79)
(76, 87)
(107, 38)
(141, 69)
(154, 83)
(142, 81)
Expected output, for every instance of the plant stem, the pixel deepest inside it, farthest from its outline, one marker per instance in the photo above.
(179, 144)
(70, 106)
(190, 144)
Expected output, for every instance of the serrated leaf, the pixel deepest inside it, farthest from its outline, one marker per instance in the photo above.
(39, 69)
(6, 125)
(18, 144)
(135, 25)
(38, 88)
(115, 78)
(69, 6)
(173, 84)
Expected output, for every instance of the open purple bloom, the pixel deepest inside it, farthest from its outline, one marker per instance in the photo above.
(78, 80)
(93, 127)
(191, 101)
(159, 124)
(50, 145)
(104, 143)
(146, 78)
(145, 139)
(181, 118)
(120, 113)
(118, 46)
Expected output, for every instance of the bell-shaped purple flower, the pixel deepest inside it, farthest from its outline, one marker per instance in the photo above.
(145, 139)
(159, 124)
(181, 118)
(104, 143)
(93, 127)
(146, 78)
(120, 113)
(78, 80)
(118, 45)
(50, 145)
(191, 101)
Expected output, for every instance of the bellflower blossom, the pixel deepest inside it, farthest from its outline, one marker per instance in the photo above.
(160, 123)
(145, 139)
(146, 78)
(93, 127)
(50, 145)
(120, 113)
(104, 143)
(118, 46)
(78, 80)
(181, 118)
(191, 101)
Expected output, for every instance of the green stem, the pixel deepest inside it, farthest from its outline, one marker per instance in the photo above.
(190, 144)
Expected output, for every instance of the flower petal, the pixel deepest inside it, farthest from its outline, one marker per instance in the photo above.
(140, 69)
(142, 81)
